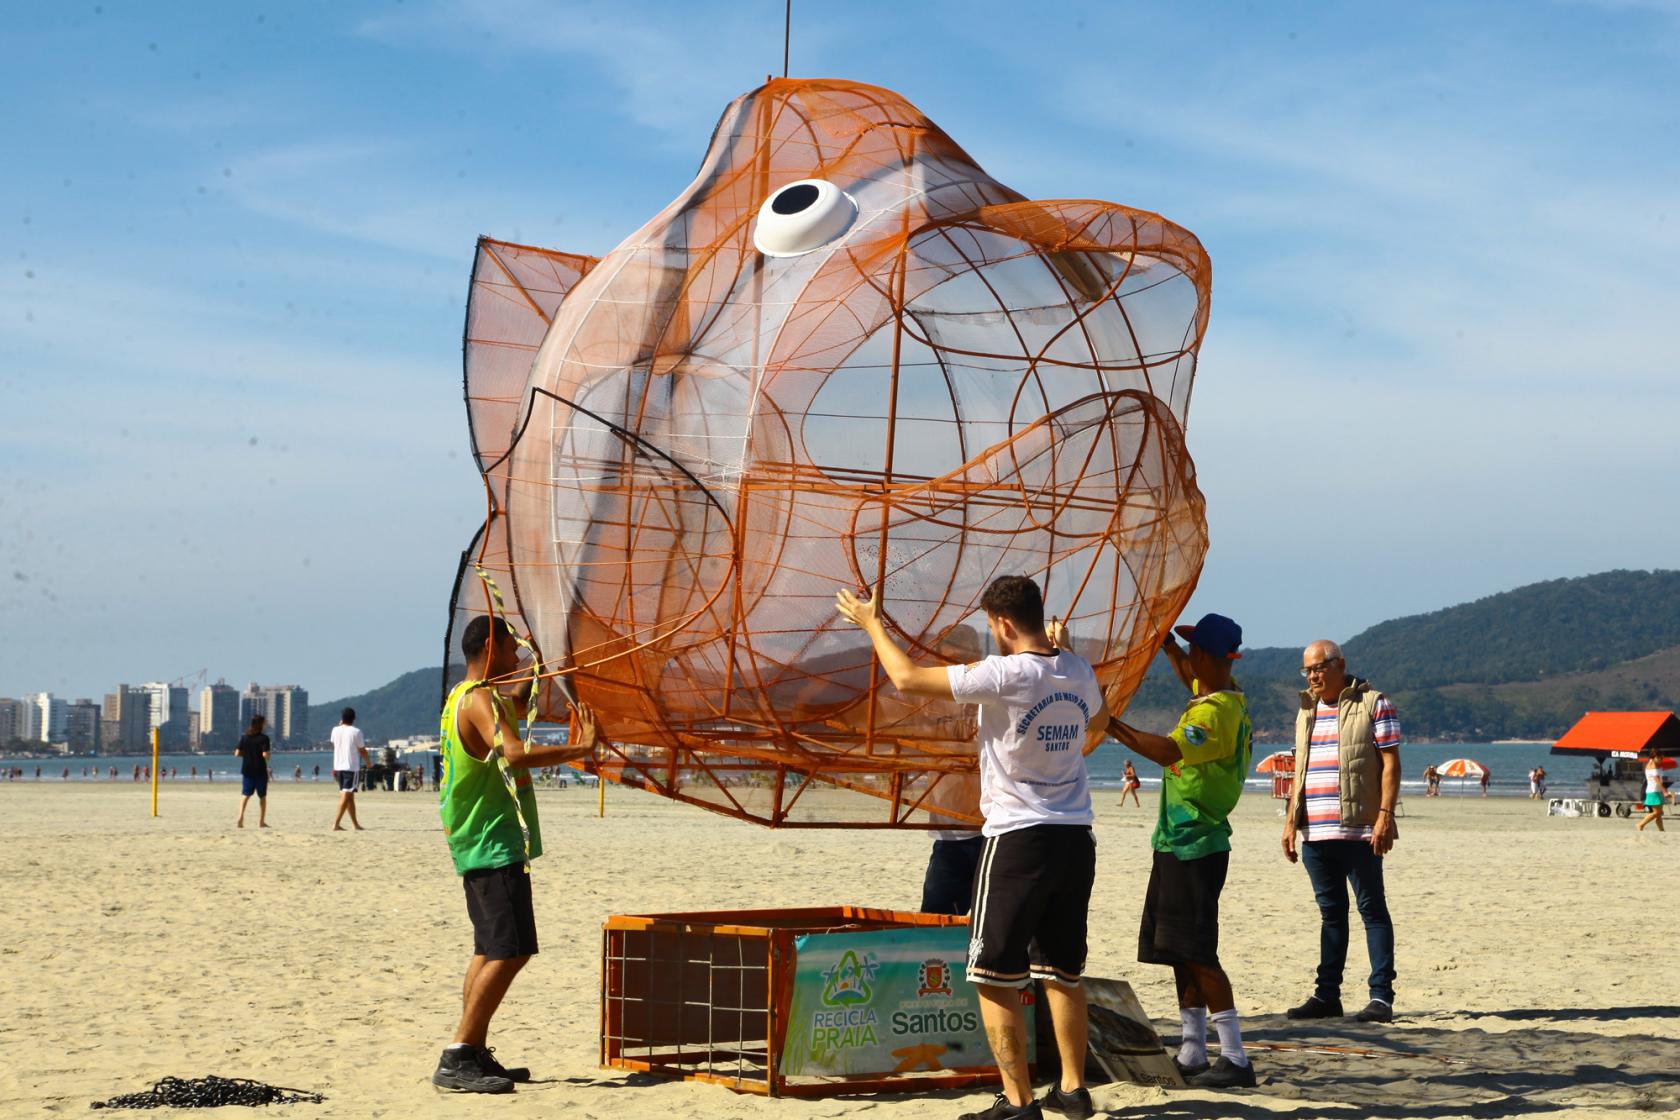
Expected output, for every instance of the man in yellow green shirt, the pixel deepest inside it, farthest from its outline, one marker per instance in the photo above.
(490, 820)
(1205, 761)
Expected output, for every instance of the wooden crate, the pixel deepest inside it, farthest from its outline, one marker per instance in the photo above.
(706, 996)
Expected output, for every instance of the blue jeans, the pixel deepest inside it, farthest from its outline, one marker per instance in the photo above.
(1332, 865)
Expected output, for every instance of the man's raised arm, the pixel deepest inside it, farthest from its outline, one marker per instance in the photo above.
(1156, 748)
(906, 675)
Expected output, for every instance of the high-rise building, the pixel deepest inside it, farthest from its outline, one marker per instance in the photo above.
(219, 722)
(81, 727)
(48, 722)
(14, 720)
(127, 714)
(294, 715)
(285, 706)
(168, 714)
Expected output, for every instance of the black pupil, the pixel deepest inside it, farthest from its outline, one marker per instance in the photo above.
(794, 199)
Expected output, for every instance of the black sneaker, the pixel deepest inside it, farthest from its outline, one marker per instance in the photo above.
(1076, 1104)
(1316, 1008)
(460, 1071)
(1224, 1074)
(1376, 1012)
(1188, 1071)
(488, 1063)
(1002, 1110)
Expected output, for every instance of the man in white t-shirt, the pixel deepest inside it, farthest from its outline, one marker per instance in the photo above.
(349, 756)
(1040, 710)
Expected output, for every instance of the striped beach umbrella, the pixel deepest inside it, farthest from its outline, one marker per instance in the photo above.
(1462, 768)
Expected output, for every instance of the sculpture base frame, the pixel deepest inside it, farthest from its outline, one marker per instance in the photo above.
(709, 995)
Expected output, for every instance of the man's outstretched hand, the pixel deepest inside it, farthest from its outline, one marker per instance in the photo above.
(859, 612)
(589, 727)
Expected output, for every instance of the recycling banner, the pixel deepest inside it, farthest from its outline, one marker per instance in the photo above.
(884, 1001)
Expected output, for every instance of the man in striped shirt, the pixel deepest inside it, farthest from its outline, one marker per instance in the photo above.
(1340, 822)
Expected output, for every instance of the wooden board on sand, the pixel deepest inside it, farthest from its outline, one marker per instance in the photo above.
(1123, 1045)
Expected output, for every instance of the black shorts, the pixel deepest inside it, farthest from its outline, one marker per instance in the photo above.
(254, 783)
(499, 904)
(1181, 910)
(346, 780)
(1031, 897)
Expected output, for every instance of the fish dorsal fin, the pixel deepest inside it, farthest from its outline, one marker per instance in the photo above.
(515, 292)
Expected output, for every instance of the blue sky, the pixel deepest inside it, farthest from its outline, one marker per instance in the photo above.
(235, 241)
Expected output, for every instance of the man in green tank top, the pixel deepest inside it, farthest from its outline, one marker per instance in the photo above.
(490, 819)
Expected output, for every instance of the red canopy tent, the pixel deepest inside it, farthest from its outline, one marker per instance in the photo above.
(1621, 734)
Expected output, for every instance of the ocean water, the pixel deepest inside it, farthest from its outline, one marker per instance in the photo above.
(1566, 775)
(1510, 763)
(225, 767)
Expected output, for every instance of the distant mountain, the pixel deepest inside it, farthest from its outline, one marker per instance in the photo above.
(1522, 664)
(407, 706)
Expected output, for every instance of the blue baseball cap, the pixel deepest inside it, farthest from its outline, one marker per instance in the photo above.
(1214, 634)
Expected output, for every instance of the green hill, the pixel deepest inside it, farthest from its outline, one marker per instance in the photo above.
(1522, 664)
(406, 706)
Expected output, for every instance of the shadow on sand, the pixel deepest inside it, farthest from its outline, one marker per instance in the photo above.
(1411, 1070)
(1408, 1071)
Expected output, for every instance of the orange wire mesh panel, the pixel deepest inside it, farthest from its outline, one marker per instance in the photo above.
(845, 356)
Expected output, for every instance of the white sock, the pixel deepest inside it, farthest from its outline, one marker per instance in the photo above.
(1193, 1050)
(460, 1046)
(1230, 1035)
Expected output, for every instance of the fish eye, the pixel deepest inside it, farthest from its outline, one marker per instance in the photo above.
(802, 216)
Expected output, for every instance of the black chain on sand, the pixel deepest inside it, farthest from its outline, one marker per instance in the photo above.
(210, 1092)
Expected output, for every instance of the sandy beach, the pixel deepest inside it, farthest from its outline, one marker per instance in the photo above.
(133, 948)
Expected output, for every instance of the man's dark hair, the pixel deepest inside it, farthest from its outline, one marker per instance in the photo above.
(258, 722)
(477, 633)
(1017, 599)
(348, 715)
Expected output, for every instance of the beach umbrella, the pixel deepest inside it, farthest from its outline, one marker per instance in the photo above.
(1283, 762)
(1462, 768)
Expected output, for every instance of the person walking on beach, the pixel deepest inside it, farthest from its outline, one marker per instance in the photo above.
(1487, 776)
(1432, 781)
(1040, 709)
(489, 816)
(1540, 777)
(252, 752)
(1340, 823)
(1132, 785)
(1205, 761)
(1653, 791)
(349, 756)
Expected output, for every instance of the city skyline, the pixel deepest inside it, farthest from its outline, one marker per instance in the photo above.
(121, 721)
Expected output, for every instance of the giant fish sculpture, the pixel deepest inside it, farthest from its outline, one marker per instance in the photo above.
(844, 356)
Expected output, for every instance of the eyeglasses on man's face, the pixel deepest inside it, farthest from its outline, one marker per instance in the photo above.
(1321, 667)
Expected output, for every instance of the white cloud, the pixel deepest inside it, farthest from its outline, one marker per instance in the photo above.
(675, 68)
